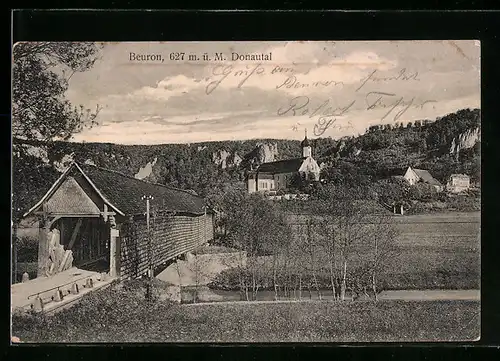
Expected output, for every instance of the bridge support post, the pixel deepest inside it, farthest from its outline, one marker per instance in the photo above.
(114, 234)
(43, 248)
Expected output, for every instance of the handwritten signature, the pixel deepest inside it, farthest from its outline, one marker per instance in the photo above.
(327, 114)
(377, 99)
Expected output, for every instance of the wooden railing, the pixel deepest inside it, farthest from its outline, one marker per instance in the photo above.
(60, 286)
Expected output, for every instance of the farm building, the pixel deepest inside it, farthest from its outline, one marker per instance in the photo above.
(273, 176)
(414, 176)
(100, 216)
(458, 183)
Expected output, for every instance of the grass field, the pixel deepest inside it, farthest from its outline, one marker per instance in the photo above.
(436, 251)
(117, 315)
(439, 251)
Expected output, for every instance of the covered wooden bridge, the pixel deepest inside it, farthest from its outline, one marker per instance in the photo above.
(100, 216)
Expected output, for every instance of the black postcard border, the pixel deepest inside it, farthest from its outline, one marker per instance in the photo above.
(74, 25)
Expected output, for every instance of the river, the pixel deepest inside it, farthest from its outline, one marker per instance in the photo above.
(208, 295)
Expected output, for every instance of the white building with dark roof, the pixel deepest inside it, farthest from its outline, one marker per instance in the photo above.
(273, 176)
(458, 183)
(414, 176)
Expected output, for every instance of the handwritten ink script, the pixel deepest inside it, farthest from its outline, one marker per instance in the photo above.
(329, 100)
(327, 114)
(293, 83)
(222, 73)
(403, 75)
(392, 101)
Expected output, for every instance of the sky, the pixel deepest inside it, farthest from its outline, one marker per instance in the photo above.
(334, 88)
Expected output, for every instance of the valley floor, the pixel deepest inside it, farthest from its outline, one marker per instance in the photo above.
(433, 252)
(112, 316)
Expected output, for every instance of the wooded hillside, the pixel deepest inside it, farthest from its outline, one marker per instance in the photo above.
(450, 144)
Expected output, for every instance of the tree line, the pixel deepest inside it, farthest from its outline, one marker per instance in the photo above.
(339, 248)
(40, 112)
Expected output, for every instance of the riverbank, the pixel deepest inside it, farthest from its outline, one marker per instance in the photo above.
(430, 251)
(118, 315)
(203, 294)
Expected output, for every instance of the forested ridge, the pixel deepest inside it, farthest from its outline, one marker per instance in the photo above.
(380, 152)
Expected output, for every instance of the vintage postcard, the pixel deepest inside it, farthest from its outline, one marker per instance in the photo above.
(246, 191)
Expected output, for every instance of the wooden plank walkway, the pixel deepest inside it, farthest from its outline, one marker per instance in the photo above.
(23, 294)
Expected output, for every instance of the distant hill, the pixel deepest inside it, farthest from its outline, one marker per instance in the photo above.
(450, 144)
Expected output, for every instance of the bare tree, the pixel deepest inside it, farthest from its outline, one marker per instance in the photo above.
(311, 247)
(253, 225)
(280, 251)
(294, 262)
(198, 265)
(382, 248)
(355, 241)
(350, 219)
(329, 248)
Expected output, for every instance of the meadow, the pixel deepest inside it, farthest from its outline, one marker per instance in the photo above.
(436, 251)
(432, 251)
(118, 314)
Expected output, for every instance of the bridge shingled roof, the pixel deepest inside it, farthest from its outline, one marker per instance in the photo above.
(126, 192)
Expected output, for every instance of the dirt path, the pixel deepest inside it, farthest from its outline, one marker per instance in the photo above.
(430, 295)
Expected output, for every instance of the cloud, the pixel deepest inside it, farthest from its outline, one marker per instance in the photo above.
(251, 125)
(168, 87)
(296, 69)
(169, 103)
(366, 60)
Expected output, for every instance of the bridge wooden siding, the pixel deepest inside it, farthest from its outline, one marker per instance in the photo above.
(171, 236)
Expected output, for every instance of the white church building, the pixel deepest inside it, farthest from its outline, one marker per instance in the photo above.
(277, 175)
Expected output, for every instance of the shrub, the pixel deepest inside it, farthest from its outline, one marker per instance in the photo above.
(27, 249)
(122, 306)
(464, 203)
(229, 279)
(214, 249)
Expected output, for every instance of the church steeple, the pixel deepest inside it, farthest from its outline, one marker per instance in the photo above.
(306, 147)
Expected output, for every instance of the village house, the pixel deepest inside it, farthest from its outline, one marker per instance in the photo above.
(414, 176)
(100, 216)
(458, 183)
(273, 176)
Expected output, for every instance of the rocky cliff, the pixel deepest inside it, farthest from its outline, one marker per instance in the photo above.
(267, 152)
(204, 166)
(465, 140)
(220, 157)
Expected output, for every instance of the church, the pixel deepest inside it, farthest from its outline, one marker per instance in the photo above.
(274, 176)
